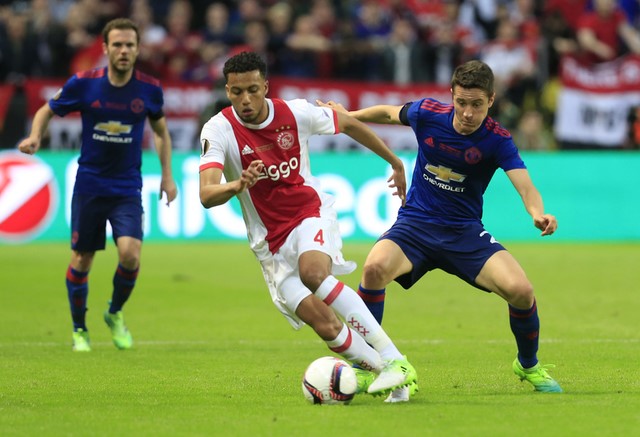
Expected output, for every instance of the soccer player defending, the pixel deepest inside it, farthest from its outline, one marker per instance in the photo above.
(114, 102)
(261, 147)
(440, 227)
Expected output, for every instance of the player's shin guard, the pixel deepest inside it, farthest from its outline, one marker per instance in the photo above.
(374, 300)
(77, 291)
(353, 348)
(525, 326)
(123, 282)
(352, 309)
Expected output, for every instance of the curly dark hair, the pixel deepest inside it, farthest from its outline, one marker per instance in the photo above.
(244, 62)
(474, 74)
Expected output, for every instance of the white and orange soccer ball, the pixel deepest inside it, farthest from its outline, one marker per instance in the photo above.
(329, 381)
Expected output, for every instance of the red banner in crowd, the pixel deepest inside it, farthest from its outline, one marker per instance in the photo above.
(594, 102)
(621, 75)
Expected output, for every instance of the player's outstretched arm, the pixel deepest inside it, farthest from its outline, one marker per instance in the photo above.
(31, 144)
(364, 135)
(214, 193)
(162, 141)
(380, 114)
(532, 200)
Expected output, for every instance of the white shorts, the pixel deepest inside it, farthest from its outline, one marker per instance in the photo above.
(281, 270)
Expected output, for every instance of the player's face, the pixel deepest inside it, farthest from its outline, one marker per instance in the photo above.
(471, 108)
(122, 50)
(247, 92)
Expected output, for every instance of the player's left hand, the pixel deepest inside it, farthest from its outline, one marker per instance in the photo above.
(168, 187)
(547, 223)
(398, 181)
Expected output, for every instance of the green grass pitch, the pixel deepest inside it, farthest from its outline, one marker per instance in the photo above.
(212, 355)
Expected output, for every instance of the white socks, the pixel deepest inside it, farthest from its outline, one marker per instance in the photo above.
(355, 313)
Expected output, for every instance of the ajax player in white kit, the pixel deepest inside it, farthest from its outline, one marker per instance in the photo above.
(260, 145)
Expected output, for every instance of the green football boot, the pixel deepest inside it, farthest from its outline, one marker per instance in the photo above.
(119, 332)
(537, 376)
(81, 341)
(395, 374)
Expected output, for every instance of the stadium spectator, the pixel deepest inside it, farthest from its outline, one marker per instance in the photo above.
(245, 11)
(605, 33)
(261, 146)
(481, 16)
(372, 27)
(114, 102)
(216, 29)
(51, 57)
(559, 26)
(82, 38)
(448, 44)
(523, 14)
(403, 55)
(514, 71)
(180, 47)
(18, 50)
(280, 24)
(303, 47)
(440, 226)
(152, 35)
(531, 132)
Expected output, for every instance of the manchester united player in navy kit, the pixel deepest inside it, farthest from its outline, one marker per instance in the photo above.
(114, 103)
(440, 227)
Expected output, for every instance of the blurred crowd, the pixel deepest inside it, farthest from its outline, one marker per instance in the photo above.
(395, 41)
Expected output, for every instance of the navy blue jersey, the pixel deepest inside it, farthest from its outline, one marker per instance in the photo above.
(113, 121)
(453, 170)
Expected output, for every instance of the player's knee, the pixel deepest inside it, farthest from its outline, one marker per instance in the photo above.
(521, 294)
(130, 260)
(374, 275)
(312, 277)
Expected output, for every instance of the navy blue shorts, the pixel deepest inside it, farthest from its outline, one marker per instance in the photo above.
(89, 215)
(458, 250)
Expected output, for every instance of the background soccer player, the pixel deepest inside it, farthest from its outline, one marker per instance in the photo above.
(440, 226)
(114, 102)
(261, 145)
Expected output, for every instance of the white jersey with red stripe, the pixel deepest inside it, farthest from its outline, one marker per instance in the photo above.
(286, 192)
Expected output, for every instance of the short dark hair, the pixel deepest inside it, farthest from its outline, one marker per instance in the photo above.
(473, 74)
(120, 24)
(244, 62)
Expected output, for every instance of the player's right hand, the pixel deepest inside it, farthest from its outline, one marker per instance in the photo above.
(251, 174)
(333, 105)
(29, 146)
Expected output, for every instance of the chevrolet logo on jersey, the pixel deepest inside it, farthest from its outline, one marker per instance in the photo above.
(445, 174)
(113, 128)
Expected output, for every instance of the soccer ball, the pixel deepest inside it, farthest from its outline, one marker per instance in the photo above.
(329, 381)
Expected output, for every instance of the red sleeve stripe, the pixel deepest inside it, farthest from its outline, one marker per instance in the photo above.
(211, 165)
(335, 122)
(333, 295)
(344, 346)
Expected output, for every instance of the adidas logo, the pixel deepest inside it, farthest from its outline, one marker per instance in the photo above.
(96, 104)
(246, 150)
